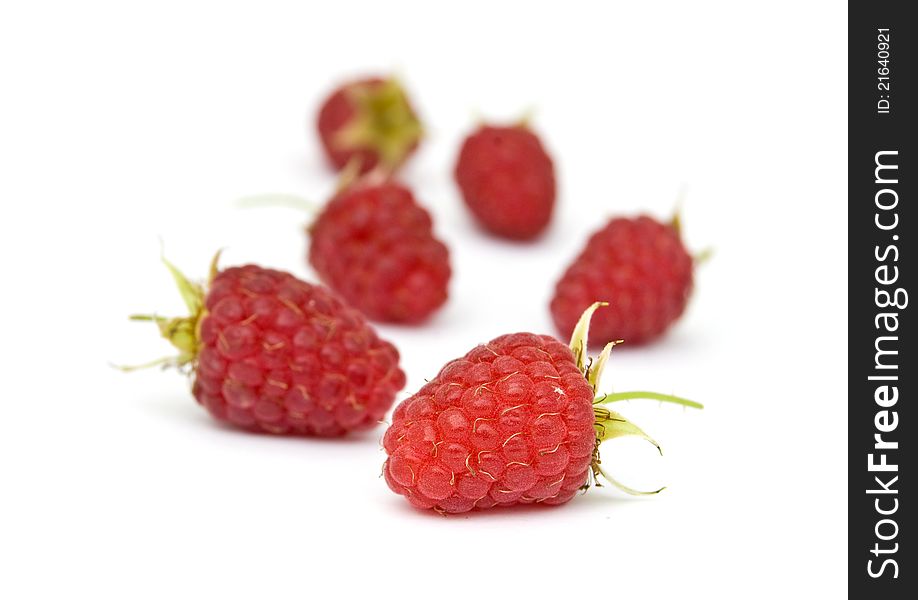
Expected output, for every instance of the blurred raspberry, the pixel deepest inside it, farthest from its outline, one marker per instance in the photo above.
(507, 180)
(510, 422)
(370, 121)
(374, 245)
(641, 268)
(275, 354)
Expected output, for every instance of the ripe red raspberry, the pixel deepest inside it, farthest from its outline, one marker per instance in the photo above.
(507, 180)
(639, 266)
(374, 245)
(370, 121)
(513, 421)
(275, 354)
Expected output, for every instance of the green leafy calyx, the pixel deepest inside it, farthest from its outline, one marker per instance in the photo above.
(607, 423)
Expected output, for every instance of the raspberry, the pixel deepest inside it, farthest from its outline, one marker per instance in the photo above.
(275, 354)
(513, 421)
(639, 266)
(507, 180)
(370, 121)
(374, 245)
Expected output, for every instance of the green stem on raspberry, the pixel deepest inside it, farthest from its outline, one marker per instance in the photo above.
(623, 487)
(607, 423)
(383, 121)
(184, 333)
(676, 221)
(580, 337)
(610, 425)
(349, 174)
(595, 369)
(702, 257)
(192, 293)
(165, 361)
(280, 200)
(214, 267)
(525, 120)
(642, 395)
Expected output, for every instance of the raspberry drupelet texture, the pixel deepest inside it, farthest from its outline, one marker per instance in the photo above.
(374, 245)
(641, 267)
(369, 121)
(281, 355)
(510, 422)
(272, 353)
(515, 421)
(507, 180)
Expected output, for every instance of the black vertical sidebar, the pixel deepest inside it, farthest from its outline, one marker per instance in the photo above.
(882, 227)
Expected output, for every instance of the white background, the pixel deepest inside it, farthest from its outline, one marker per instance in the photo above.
(120, 124)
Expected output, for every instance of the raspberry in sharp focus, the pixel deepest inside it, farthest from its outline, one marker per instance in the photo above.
(507, 180)
(374, 245)
(370, 121)
(640, 267)
(513, 421)
(272, 353)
